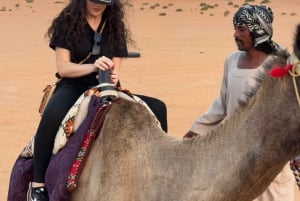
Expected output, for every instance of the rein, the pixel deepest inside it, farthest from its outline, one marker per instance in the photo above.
(295, 72)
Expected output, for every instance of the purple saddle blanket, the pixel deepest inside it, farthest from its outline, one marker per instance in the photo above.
(59, 166)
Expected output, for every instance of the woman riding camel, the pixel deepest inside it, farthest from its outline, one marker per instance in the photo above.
(87, 36)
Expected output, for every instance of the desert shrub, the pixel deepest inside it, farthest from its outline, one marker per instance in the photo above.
(226, 13)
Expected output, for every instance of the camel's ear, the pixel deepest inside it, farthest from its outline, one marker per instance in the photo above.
(294, 62)
(297, 42)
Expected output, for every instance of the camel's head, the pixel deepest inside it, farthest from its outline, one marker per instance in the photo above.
(297, 42)
(294, 59)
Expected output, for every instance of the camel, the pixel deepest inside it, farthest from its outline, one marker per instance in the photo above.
(134, 160)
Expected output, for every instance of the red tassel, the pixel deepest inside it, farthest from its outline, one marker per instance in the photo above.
(280, 71)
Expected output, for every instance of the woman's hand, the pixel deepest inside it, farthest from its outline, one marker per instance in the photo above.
(114, 77)
(104, 63)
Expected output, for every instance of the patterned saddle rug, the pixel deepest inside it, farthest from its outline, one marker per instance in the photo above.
(64, 168)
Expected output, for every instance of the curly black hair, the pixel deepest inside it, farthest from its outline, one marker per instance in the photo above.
(72, 19)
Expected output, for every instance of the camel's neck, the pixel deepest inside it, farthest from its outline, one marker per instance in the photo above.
(256, 142)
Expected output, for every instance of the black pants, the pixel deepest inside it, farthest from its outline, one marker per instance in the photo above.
(55, 111)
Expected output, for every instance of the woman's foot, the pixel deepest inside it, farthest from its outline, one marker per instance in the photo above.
(38, 194)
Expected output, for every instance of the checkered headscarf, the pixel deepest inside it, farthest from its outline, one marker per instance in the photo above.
(259, 21)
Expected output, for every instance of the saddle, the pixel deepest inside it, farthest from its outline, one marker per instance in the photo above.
(80, 128)
(76, 115)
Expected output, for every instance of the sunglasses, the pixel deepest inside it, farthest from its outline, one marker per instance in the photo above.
(96, 47)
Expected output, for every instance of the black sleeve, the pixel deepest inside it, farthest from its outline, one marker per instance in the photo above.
(122, 51)
(58, 41)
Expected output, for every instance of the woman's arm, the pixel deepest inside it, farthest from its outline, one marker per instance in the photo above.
(66, 68)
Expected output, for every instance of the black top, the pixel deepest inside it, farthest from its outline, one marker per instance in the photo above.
(79, 51)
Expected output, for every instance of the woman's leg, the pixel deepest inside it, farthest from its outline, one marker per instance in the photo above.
(159, 108)
(54, 113)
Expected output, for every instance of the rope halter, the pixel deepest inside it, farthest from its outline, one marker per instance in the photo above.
(292, 68)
